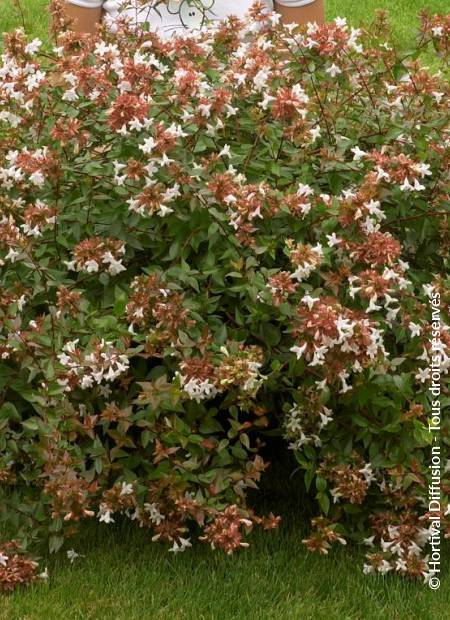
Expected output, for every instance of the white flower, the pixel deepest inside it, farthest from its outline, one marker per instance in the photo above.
(71, 346)
(423, 374)
(406, 185)
(37, 178)
(154, 513)
(275, 19)
(33, 81)
(72, 555)
(264, 104)
(367, 472)
(87, 382)
(345, 386)
(352, 43)
(418, 186)
(91, 266)
(104, 514)
(225, 152)
(334, 70)
(298, 350)
(304, 190)
(44, 575)
(3, 559)
(231, 111)
(197, 389)
(400, 565)
(423, 169)
(392, 314)
(414, 549)
(309, 301)
(437, 31)
(164, 210)
(318, 358)
(372, 307)
(70, 95)
(11, 118)
(424, 356)
(21, 303)
(382, 174)
(127, 489)
(115, 266)
(333, 240)
(373, 207)
(438, 96)
(205, 109)
(261, 78)
(148, 146)
(335, 494)
(33, 47)
(165, 161)
(315, 132)
(358, 154)
(180, 546)
(341, 22)
(368, 569)
(325, 416)
(415, 329)
(70, 264)
(12, 255)
(384, 567)
(102, 48)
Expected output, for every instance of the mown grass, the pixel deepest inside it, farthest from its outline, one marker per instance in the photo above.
(403, 14)
(32, 15)
(124, 576)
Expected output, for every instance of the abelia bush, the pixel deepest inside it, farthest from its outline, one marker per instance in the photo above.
(210, 240)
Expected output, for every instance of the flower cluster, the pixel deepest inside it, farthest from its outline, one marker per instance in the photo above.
(225, 531)
(324, 534)
(103, 362)
(301, 427)
(98, 254)
(201, 379)
(336, 338)
(16, 569)
(350, 482)
(437, 29)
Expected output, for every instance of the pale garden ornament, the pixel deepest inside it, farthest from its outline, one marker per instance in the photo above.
(193, 14)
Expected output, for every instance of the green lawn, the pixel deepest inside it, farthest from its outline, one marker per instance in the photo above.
(34, 13)
(124, 576)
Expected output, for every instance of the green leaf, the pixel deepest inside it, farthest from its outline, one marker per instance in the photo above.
(9, 412)
(32, 424)
(324, 502)
(55, 543)
(321, 483)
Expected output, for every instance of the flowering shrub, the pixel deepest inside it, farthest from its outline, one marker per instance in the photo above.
(206, 239)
